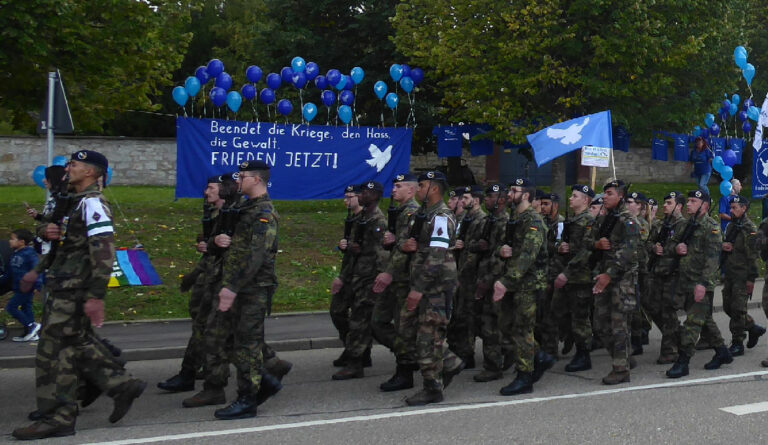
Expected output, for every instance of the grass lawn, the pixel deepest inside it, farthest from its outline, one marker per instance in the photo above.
(306, 264)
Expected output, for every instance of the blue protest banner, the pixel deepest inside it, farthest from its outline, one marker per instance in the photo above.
(307, 161)
(760, 171)
(564, 137)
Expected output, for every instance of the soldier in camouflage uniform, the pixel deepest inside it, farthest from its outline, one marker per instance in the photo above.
(489, 269)
(574, 283)
(523, 277)
(424, 317)
(740, 270)
(341, 296)
(462, 327)
(661, 303)
(761, 245)
(615, 238)
(392, 285)
(454, 203)
(77, 275)
(636, 204)
(698, 251)
(368, 259)
(547, 329)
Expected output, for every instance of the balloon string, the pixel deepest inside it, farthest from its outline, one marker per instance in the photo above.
(354, 110)
(328, 118)
(382, 112)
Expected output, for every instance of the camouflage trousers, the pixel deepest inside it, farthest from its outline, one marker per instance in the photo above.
(698, 322)
(735, 298)
(425, 328)
(661, 303)
(69, 351)
(764, 302)
(341, 302)
(244, 324)
(462, 326)
(386, 322)
(574, 301)
(494, 349)
(547, 329)
(360, 335)
(200, 304)
(517, 321)
(612, 309)
(640, 320)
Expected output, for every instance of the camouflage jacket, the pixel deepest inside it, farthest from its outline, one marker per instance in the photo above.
(620, 261)
(86, 252)
(397, 262)
(203, 265)
(249, 262)
(556, 264)
(576, 262)
(490, 266)
(527, 268)
(741, 263)
(468, 257)
(346, 256)
(701, 263)
(368, 232)
(761, 241)
(642, 251)
(433, 267)
(665, 263)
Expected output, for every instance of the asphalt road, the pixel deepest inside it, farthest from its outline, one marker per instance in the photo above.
(564, 408)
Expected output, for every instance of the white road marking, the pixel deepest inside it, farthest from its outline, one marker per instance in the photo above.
(751, 408)
(436, 410)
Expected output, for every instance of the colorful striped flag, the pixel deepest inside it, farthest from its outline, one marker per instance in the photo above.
(132, 268)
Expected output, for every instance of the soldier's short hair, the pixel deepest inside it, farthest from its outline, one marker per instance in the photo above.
(24, 235)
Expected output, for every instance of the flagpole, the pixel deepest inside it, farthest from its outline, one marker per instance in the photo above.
(593, 174)
(613, 166)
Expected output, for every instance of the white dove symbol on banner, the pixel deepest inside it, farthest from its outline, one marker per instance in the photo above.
(379, 159)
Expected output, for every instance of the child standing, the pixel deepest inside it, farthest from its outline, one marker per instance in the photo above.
(23, 259)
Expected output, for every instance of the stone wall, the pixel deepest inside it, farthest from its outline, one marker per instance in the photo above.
(145, 161)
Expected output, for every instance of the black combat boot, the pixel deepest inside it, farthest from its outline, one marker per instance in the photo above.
(270, 386)
(469, 362)
(541, 363)
(278, 368)
(449, 374)
(123, 396)
(488, 375)
(581, 361)
(183, 381)
(680, 368)
(567, 344)
(616, 376)
(637, 346)
(754, 335)
(42, 429)
(523, 384)
(596, 344)
(342, 360)
(403, 379)
(722, 357)
(208, 396)
(87, 393)
(736, 349)
(430, 394)
(353, 370)
(242, 408)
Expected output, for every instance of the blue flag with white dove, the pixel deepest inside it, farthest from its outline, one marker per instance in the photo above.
(565, 137)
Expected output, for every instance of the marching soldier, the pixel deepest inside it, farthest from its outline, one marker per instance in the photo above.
(454, 202)
(636, 204)
(546, 325)
(761, 245)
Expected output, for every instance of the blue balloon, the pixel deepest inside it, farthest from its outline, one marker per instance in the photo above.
(734, 108)
(321, 82)
(726, 104)
(396, 72)
(192, 85)
(753, 113)
(714, 130)
(417, 75)
(749, 73)
(267, 96)
(726, 173)
(248, 91)
(407, 84)
(746, 127)
(299, 80)
(704, 133)
(743, 116)
(202, 75)
(735, 99)
(218, 96)
(38, 174)
(311, 71)
(214, 68)
(730, 158)
(273, 81)
(345, 113)
(350, 84)
(717, 163)
(333, 76)
(286, 74)
(234, 100)
(180, 96)
(224, 81)
(309, 111)
(109, 175)
(392, 100)
(284, 107)
(346, 97)
(380, 88)
(253, 73)
(328, 98)
(357, 74)
(341, 83)
(696, 131)
(740, 57)
(747, 103)
(709, 119)
(60, 161)
(406, 70)
(725, 188)
(298, 65)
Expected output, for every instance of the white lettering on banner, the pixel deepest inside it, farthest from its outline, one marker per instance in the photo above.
(346, 134)
(269, 144)
(319, 136)
(595, 156)
(312, 160)
(372, 133)
(228, 158)
(246, 128)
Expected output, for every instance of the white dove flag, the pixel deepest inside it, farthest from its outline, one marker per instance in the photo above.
(565, 137)
(762, 122)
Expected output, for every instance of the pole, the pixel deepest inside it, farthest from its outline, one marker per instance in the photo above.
(593, 174)
(49, 123)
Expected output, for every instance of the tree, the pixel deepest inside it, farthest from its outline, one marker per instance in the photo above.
(114, 55)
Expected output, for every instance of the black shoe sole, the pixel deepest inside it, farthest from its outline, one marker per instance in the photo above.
(239, 416)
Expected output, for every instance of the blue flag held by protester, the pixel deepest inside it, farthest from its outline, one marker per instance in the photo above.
(565, 137)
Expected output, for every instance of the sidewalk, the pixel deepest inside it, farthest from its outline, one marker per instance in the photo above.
(164, 339)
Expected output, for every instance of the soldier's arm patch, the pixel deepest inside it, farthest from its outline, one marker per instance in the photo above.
(440, 236)
(97, 220)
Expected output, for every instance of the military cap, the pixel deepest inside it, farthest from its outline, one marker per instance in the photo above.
(406, 177)
(598, 199)
(372, 186)
(215, 179)
(352, 188)
(474, 190)
(248, 166)
(458, 191)
(541, 194)
(495, 188)
(638, 197)
(616, 183)
(700, 193)
(521, 182)
(432, 175)
(554, 197)
(672, 195)
(230, 177)
(91, 157)
(587, 190)
(652, 202)
(740, 200)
